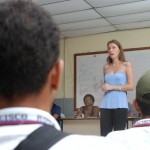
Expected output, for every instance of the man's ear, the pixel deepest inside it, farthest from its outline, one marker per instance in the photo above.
(136, 106)
(55, 75)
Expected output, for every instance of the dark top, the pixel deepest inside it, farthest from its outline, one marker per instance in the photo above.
(56, 110)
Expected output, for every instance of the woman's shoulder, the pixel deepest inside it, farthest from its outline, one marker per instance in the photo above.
(96, 107)
(127, 64)
(106, 66)
(82, 107)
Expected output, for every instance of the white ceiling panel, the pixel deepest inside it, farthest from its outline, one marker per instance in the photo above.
(124, 9)
(103, 3)
(44, 2)
(76, 16)
(130, 18)
(84, 25)
(134, 25)
(88, 31)
(66, 6)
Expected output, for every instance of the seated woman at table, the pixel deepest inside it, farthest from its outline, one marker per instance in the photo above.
(88, 110)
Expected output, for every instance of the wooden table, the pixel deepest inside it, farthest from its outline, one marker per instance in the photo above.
(86, 125)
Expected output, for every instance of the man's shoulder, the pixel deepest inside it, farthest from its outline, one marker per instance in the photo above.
(55, 106)
(130, 134)
(141, 136)
(93, 142)
(47, 133)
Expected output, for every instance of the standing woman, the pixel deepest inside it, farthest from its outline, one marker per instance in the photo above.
(118, 79)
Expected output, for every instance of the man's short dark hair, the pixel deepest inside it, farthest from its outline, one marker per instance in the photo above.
(143, 93)
(29, 47)
(144, 107)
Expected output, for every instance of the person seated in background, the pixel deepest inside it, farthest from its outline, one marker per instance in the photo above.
(132, 112)
(88, 110)
(140, 132)
(56, 111)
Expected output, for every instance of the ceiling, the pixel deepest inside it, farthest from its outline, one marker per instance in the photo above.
(86, 17)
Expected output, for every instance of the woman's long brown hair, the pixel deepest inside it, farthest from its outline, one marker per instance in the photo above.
(121, 56)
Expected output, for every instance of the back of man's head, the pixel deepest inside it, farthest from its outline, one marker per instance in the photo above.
(143, 93)
(29, 48)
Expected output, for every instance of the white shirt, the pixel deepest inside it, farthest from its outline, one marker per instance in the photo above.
(12, 135)
(135, 138)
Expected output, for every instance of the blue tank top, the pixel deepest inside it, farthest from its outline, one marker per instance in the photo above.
(115, 99)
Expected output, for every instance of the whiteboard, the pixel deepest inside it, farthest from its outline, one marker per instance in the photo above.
(88, 69)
